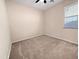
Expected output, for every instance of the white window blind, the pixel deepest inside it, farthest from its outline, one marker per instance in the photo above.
(71, 15)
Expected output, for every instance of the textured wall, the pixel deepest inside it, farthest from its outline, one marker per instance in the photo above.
(4, 32)
(25, 21)
(54, 24)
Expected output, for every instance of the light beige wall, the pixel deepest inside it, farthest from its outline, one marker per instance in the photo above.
(55, 24)
(4, 32)
(26, 22)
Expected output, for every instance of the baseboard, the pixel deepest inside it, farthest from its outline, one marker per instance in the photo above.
(62, 39)
(25, 38)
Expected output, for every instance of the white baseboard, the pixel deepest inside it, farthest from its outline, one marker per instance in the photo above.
(62, 39)
(25, 38)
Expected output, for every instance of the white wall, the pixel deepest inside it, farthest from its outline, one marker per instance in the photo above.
(4, 32)
(54, 21)
(25, 21)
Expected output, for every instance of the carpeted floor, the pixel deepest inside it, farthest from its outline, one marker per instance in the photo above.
(44, 47)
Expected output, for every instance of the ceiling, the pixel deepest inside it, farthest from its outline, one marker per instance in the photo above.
(40, 5)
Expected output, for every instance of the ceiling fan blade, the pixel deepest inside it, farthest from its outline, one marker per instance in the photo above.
(37, 1)
(45, 1)
(51, 0)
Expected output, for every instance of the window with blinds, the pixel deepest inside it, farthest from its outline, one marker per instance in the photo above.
(71, 16)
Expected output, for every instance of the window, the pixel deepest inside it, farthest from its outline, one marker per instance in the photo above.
(71, 15)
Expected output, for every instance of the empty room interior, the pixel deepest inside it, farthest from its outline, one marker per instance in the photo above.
(39, 29)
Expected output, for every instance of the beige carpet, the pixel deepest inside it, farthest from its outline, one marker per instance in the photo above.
(43, 47)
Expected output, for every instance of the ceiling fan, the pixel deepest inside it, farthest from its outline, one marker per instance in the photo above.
(45, 1)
